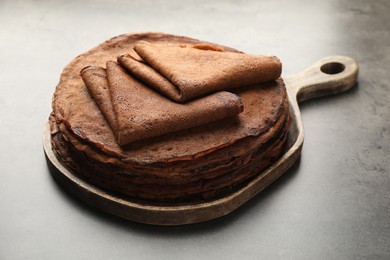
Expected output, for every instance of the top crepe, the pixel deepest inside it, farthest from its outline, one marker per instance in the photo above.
(140, 112)
(184, 72)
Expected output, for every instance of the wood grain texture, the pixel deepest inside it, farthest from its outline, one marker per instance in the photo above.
(329, 75)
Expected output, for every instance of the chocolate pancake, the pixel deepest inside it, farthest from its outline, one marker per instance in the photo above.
(95, 79)
(136, 112)
(183, 72)
(199, 162)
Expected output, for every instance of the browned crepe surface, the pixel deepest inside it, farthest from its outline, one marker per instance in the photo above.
(193, 72)
(150, 77)
(95, 79)
(136, 112)
(263, 106)
(143, 113)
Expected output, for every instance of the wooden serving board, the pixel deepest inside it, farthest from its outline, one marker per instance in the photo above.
(330, 75)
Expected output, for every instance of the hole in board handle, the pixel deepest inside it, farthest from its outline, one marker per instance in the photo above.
(333, 68)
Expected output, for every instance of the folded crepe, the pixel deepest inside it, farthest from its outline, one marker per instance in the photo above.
(95, 78)
(184, 72)
(140, 112)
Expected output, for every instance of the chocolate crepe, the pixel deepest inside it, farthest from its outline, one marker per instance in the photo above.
(95, 78)
(150, 76)
(184, 72)
(142, 113)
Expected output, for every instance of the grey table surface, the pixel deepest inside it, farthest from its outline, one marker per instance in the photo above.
(333, 204)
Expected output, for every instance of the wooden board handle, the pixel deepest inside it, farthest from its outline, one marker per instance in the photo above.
(329, 75)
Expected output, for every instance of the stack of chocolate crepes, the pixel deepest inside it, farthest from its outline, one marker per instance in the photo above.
(169, 118)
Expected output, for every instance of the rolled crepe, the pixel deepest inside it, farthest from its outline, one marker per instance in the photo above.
(141, 113)
(184, 72)
(150, 77)
(95, 78)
